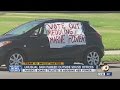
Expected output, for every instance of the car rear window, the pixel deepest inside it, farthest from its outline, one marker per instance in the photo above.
(88, 28)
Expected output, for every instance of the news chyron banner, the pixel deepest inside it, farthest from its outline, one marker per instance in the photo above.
(51, 67)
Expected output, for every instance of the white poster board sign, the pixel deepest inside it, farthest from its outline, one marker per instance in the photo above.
(65, 34)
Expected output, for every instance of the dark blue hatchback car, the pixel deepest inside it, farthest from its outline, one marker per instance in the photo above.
(52, 40)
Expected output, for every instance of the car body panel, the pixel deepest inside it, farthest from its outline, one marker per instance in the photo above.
(37, 48)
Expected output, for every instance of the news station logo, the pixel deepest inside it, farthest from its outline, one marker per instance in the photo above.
(15, 68)
(105, 68)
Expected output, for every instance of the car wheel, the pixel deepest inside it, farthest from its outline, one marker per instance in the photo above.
(15, 58)
(91, 57)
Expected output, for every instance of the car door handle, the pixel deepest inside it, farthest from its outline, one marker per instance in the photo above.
(41, 46)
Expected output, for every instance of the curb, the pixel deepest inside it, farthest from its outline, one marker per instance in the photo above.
(111, 62)
(112, 52)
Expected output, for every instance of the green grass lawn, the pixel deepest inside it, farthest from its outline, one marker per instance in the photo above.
(111, 58)
(107, 24)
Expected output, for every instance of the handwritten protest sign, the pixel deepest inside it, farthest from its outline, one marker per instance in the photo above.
(63, 34)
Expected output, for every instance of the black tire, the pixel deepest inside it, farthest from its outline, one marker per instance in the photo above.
(15, 52)
(94, 60)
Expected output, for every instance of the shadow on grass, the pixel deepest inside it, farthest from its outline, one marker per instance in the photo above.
(2, 13)
(114, 66)
(110, 66)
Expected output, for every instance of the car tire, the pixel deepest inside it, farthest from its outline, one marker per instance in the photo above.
(12, 58)
(92, 57)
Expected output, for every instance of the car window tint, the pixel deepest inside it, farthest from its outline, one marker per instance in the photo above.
(23, 28)
(40, 30)
(36, 31)
(45, 31)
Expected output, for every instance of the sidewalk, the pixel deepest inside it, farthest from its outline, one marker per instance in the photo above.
(112, 52)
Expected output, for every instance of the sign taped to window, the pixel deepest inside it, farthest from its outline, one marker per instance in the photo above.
(65, 34)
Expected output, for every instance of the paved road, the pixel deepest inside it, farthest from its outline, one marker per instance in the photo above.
(114, 68)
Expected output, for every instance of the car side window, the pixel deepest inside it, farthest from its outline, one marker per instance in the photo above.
(38, 31)
(45, 32)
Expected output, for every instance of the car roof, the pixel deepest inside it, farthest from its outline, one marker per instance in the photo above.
(62, 20)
